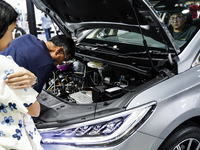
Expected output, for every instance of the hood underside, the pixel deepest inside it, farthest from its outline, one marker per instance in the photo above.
(76, 16)
(77, 11)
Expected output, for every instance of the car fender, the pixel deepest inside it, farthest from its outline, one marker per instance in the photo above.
(178, 99)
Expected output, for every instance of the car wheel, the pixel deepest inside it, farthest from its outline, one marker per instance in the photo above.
(185, 137)
(19, 32)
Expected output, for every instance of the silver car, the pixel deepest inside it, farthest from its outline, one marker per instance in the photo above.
(130, 86)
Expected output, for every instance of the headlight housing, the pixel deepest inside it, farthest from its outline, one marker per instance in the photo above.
(105, 131)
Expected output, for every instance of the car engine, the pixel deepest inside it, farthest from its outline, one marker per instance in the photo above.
(85, 82)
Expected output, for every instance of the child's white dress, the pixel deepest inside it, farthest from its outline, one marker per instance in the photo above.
(17, 129)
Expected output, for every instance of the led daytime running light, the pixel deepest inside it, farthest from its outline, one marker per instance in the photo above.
(98, 132)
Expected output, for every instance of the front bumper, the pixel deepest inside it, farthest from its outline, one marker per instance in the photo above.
(138, 141)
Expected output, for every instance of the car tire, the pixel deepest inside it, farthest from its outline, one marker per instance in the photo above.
(185, 137)
(19, 32)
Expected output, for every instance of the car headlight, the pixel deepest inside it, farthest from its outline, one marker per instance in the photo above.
(105, 131)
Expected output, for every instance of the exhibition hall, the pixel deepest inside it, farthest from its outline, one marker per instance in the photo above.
(100, 74)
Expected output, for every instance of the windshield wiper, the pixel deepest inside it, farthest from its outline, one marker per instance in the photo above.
(101, 45)
(97, 45)
(107, 46)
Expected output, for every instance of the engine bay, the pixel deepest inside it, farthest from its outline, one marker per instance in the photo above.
(88, 86)
(86, 82)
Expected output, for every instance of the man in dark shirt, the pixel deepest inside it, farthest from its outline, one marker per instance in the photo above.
(180, 30)
(40, 57)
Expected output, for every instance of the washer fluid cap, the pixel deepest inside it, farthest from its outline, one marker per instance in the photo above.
(93, 64)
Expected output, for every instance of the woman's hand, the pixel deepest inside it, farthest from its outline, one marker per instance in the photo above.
(21, 80)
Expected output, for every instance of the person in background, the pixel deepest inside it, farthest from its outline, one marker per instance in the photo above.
(46, 25)
(180, 30)
(193, 10)
(17, 129)
(40, 57)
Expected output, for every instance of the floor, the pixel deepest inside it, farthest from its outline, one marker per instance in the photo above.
(24, 26)
(42, 36)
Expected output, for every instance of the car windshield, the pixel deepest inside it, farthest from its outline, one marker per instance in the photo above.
(123, 36)
(180, 43)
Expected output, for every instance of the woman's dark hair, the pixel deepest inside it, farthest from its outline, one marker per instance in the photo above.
(8, 15)
(66, 42)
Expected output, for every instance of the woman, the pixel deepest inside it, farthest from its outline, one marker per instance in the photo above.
(17, 129)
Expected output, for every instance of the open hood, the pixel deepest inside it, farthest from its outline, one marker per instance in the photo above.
(75, 16)
(115, 61)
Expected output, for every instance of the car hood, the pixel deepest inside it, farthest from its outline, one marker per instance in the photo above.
(75, 16)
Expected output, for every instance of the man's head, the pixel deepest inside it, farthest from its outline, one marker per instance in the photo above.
(8, 18)
(177, 21)
(61, 47)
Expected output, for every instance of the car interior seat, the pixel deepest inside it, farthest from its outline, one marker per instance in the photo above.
(196, 22)
(189, 19)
